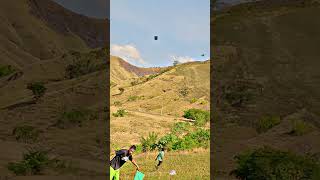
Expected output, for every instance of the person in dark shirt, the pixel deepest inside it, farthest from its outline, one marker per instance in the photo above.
(121, 157)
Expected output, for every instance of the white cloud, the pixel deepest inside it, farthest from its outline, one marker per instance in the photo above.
(181, 59)
(127, 52)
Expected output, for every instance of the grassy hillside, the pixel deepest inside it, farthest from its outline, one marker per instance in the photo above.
(265, 67)
(33, 30)
(118, 74)
(188, 165)
(52, 98)
(172, 91)
(156, 103)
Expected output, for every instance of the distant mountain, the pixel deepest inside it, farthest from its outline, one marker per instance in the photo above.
(120, 70)
(92, 31)
(221, 4)
(33, 30)
(138, 70)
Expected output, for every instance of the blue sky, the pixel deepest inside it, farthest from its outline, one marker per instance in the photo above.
(182, 27)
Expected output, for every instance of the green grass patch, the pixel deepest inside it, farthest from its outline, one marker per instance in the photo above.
(267, 122)
(120, 113)
(193, 100)
(26, 134)
(172, 142)
(74, 117)
(203, 102)
(152, 76)
(6, 70)
(267, 163)
(190, 165)
(200, 116)
(180, 127)
(299, 127)
(38, 89)
(85, 63)
(33, 163)
(134, 98)
(196, 139)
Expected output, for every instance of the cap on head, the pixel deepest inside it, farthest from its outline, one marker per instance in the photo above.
(132, 148)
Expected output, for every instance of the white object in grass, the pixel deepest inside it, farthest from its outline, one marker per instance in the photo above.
(172, 172)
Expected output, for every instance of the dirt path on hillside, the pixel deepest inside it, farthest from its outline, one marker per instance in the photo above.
(158, 116)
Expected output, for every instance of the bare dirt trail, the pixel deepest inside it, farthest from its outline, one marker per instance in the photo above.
(159, 116)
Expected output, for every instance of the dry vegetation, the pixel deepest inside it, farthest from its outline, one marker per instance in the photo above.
(40, 106)
(266, 80)
(154, 104)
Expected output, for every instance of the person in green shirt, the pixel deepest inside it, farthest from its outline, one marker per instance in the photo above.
(160, 157)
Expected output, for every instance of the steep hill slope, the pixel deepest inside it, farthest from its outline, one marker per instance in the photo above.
(33, 30)
(118, 73)
(169, 91)
(50, 49)
(265, 65)
(161, 99)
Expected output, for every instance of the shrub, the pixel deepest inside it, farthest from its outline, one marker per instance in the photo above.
(26, 133)
(168, 141)
(193, 100)
(82, 64)
(32, 164)
(236, 94)
(120, 113)
(18, 168)
(184, 92)
(74, 117)
(267, 163)
(149, 143)
(133, 83)
(199, 138)
(117, 103)
(139, 148)
(133, 98)
(267, 122)
(6, 70)
(152, 76)
(203, 102)
(38, 89)
(201, 117)
(200, 135)
(299, 127)
(180, 127)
